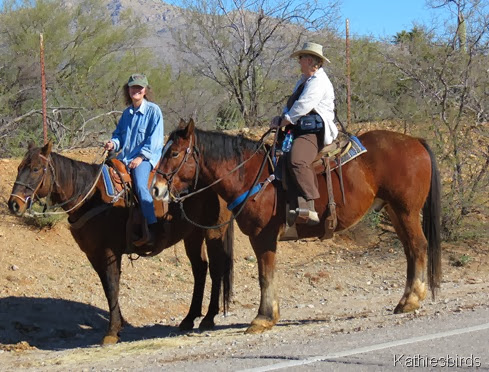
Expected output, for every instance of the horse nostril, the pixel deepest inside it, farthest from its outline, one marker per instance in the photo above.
(166, 195)
(160, 192)
(14, 206)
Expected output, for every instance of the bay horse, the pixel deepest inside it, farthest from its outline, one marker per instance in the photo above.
(43, 173)
(397, 172)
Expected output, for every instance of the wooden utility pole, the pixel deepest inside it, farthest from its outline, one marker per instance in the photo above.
(348, 78)
(43, 92)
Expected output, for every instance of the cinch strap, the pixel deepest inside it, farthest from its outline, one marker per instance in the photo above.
(242, 197)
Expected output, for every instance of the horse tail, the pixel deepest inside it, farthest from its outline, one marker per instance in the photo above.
(431, 224)
(227, 278)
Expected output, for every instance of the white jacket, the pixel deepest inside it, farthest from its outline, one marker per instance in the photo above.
(318, 95)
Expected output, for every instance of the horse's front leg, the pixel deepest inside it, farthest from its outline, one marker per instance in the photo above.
(107, 264)
(268, 314)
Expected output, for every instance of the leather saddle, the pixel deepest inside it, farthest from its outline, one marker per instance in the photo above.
(340, 146)
(117, 189)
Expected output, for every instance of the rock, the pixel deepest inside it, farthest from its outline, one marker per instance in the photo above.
(250, 258)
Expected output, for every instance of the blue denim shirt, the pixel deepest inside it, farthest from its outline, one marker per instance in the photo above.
(139, 132)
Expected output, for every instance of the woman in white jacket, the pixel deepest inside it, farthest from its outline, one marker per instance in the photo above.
(310, 113)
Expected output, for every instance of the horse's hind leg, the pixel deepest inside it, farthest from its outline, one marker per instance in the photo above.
(408, 228)
(193, 248)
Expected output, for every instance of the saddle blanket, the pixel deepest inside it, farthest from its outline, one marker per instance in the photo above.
(109, 186)
(356, 149)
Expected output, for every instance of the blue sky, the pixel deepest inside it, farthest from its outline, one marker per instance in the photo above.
(385, 18)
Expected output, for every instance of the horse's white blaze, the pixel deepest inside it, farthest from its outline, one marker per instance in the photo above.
(160, 191)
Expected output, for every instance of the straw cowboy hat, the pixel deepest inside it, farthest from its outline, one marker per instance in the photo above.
(311, 48)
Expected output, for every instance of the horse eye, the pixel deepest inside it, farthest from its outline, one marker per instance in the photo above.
(36, 169)
(175, 154)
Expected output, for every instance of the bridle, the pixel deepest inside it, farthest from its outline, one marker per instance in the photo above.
(29, 199)
(191, 150)
(179, 199)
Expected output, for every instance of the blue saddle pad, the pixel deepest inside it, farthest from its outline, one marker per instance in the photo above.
(355, 150)
(109, 187)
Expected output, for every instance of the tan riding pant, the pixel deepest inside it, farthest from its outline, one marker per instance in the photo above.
(303, 152)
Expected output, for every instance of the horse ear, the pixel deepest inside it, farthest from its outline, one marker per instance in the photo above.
(182, 124)
(46, 150)
(31, 145)
(190, 127)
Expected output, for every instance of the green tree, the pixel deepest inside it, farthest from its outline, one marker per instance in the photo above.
(241, 45)
(416, 35)
(449, 86)
(87, 61)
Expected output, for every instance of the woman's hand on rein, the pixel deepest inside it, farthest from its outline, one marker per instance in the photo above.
(279, 122)
(109, 145)
(275, 123)
(135, 162)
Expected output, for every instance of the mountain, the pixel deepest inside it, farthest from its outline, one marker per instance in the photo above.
(159, 17)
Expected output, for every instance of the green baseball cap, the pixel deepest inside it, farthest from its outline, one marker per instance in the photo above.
(138, 79)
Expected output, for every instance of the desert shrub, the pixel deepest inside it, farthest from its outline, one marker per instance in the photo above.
(41, 220)
(229, 117)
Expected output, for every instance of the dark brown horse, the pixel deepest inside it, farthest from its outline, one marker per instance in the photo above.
(397, 172)
(101, 236)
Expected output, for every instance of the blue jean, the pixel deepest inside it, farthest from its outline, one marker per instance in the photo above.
(140, 176)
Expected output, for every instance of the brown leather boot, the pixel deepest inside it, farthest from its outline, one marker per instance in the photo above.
(306, 214)
(152, 234)
(313, 215)
(148, 238)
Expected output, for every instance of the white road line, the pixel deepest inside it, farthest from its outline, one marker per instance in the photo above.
(366, 349)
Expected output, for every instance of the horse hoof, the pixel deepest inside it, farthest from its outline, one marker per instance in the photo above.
(256, 329)
(206, 325)
(406, 308)
(186, 325)
(109, 340)
(398, 309)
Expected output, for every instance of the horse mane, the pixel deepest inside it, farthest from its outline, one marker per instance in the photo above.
(218, 146)
(76, 174)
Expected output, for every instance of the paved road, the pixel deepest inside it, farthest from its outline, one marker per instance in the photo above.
(457, 340)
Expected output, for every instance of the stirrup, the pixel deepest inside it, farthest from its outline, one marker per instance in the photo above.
(146, 239)
(306, 213)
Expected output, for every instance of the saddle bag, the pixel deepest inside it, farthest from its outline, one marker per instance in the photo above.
(311, 123)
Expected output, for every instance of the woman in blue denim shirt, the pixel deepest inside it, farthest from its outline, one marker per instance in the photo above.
(139, 139)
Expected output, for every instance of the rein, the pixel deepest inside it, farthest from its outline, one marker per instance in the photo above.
(248, 193)
(29, 200)
(179, 199)
(34, 195)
